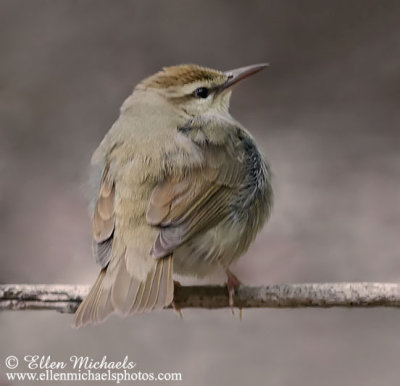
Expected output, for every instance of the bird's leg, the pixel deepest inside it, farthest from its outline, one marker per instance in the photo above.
(173, 305)
(233, 282)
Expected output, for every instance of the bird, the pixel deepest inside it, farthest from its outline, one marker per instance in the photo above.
(180, 188)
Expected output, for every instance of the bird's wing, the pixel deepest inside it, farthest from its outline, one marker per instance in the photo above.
(184, 207)
(104, 220)
(116, 287)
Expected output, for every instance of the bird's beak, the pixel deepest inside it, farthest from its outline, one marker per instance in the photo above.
(238, 74)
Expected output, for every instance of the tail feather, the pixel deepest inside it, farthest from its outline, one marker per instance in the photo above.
(158, 290)
(166, 288)
(146, 293)
(138, 299)
(88, 308)
(102, 306)
(127, 295)
(155, 288)
(124, 290)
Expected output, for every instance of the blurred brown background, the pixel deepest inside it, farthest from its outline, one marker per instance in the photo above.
(326, 115)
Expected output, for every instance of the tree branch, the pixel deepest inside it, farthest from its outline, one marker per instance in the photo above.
(66, 298)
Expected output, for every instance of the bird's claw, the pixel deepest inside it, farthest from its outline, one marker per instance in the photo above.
(177, 309)
(232, 283)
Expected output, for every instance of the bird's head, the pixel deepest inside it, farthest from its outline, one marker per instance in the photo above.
(195, 89)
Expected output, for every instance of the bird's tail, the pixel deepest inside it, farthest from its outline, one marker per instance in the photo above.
(126, 294)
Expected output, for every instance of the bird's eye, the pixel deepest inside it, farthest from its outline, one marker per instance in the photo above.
(201, 92)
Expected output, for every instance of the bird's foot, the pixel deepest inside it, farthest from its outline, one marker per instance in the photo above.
(232, 284)
(177, 309)
(173, 305)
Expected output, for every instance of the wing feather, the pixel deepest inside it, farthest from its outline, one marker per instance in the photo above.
(104, 220)
(198, 201)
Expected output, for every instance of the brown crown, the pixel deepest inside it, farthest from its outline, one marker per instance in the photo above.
(181, 75)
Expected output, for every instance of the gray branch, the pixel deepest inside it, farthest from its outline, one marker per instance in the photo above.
(66, 298)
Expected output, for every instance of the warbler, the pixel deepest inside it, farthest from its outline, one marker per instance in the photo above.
(182, 188)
